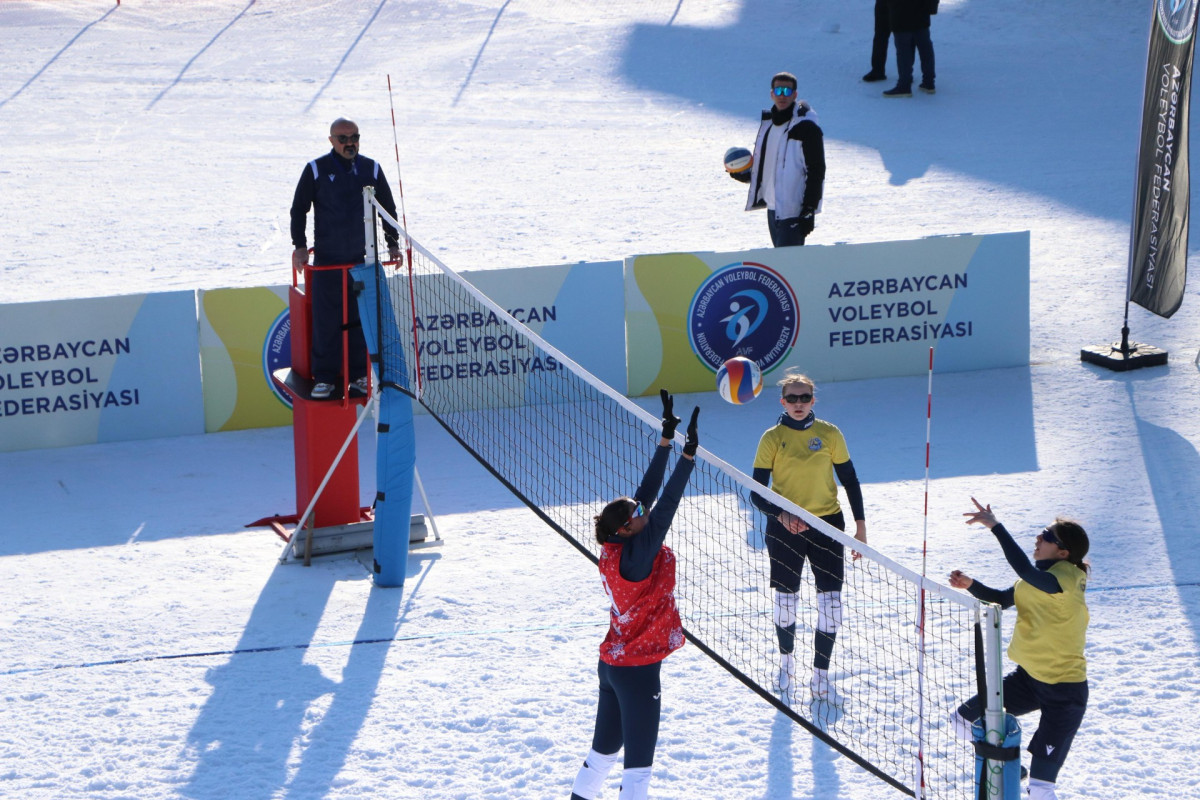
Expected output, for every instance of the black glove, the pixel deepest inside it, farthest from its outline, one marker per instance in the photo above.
(669, 420)
(808, 221)
(742, 177)
(693, 436)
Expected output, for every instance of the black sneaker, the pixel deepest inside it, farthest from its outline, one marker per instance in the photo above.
(927, 88)
(874, 77)
(896, 91)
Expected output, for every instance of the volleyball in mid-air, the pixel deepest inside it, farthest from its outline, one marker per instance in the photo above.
(739, 380)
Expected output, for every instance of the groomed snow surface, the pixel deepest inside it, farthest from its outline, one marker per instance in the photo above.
(154, 649)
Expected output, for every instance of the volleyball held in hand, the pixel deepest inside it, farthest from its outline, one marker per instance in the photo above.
(738, 161)
(739, 380)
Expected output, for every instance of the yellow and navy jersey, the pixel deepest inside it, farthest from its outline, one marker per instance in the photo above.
(1051, 629)
(801, 464)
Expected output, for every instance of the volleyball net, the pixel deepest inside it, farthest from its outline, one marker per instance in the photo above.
(565, 444)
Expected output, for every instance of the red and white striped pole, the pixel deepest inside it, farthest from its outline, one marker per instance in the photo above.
(412, 297)
(399, 180)
(920, 794)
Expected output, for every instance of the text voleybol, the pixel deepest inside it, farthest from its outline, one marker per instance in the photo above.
(915, 313)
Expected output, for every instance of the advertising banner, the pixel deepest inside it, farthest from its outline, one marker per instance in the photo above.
(1162, 189)
(245, 334)
(578, 308)
(837, 312)
(99, 370)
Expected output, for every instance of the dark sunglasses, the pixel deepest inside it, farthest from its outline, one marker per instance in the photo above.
(783, 91)
(1048, 536)
(638, 510)
(347, 139)
(798, 398)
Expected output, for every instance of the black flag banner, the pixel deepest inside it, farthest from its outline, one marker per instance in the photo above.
(1159, 236)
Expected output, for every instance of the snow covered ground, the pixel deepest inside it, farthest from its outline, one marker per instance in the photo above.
(154, 649)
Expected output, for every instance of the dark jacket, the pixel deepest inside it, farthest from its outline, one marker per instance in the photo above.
(908, 15)
(332, 187)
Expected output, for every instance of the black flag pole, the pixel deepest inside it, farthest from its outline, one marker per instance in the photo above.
(1158, 237)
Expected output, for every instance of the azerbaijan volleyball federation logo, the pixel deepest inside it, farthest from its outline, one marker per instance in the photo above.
(277, 352)
(743, 309)
(1178, 19)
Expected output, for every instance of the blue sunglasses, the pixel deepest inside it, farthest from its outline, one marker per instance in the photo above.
(638, 511)
(783, 91)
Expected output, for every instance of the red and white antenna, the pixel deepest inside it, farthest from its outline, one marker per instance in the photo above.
(407, 239)
(920, 794)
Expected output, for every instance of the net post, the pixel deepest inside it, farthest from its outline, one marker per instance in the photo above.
(993, 715)
(515, 421)
(369, 223)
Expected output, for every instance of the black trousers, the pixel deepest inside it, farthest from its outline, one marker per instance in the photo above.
(326, 291)
(879, 45)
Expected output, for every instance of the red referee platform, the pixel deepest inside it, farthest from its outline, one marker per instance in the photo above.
(321, 430)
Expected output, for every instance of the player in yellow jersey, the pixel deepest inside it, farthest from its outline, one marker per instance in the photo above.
(798, 458)
(1047, 642)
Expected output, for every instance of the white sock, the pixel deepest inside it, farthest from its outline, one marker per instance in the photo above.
(635, 783)
(787, 671)
(592, 774)
(1041, 790)
(820, 685)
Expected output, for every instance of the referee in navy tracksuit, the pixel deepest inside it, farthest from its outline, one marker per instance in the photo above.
(332, 186)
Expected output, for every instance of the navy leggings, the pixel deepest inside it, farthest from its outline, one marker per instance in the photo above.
(1062, 706)
(627, 713)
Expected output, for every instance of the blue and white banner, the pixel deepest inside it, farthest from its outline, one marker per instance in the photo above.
(100, 370)
(836, 312)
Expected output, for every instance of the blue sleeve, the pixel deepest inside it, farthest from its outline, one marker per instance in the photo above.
(1025, 569)
(302, 201)
(763, 476)
(849, 480)
(1002, 598)
(638, 554)
(652, 480)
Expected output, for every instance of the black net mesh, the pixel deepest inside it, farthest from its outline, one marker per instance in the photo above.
(566, 444)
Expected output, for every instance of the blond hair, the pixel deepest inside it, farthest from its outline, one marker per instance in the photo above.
(794, 376)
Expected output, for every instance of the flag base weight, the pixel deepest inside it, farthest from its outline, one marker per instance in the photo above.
(1122, 356)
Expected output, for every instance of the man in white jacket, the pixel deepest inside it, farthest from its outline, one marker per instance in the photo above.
(788, 175)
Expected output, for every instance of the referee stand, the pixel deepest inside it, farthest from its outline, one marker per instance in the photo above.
(328, 516)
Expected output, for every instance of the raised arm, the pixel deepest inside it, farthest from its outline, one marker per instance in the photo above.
(652, 480)
(638, 554)
(1025, 569)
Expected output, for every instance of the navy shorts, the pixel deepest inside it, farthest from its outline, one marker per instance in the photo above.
(1062, 706)
(789, 551)
(628, 711)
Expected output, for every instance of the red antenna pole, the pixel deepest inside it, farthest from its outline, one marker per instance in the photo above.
(412, 299)
(921, 610)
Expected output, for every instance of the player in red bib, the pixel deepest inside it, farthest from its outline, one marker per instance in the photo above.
(638, 573)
